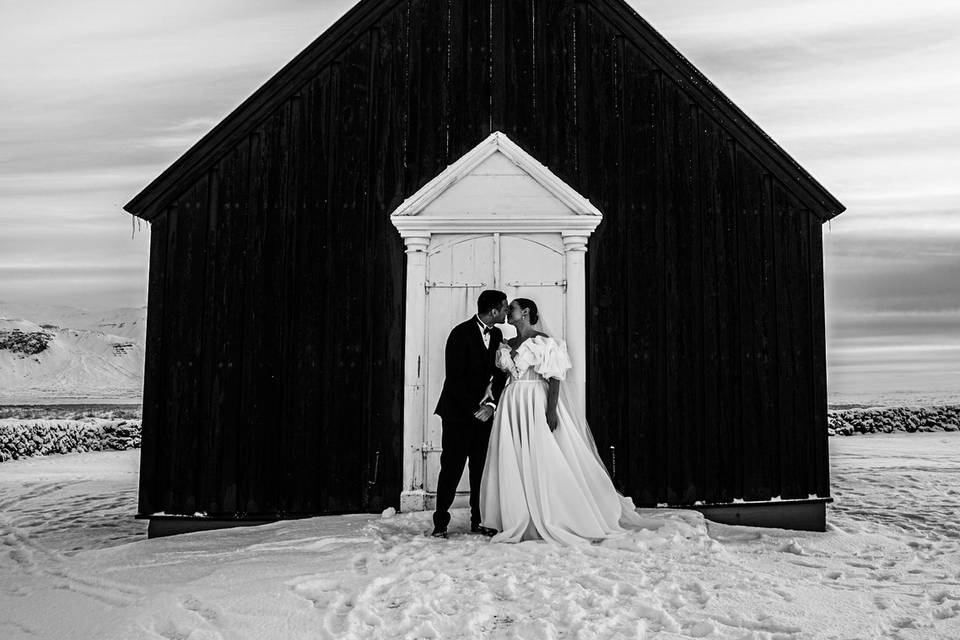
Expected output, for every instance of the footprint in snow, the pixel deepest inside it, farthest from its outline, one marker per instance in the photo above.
(700, 594)
(905, 622)
(319, 592)
(359, 563)
(197, 607)
(939, 597)
(173, 632)
(336, 619)
(702, 629)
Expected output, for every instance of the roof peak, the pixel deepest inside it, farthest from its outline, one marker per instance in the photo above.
(366, 21)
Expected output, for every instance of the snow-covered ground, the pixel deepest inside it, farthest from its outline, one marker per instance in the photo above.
(889, 566)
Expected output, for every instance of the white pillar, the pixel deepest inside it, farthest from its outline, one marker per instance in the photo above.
(575, 250)
(412, 498)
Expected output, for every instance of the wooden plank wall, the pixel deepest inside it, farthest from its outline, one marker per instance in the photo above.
(275, 339)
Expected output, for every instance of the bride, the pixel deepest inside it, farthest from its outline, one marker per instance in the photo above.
(543, 478)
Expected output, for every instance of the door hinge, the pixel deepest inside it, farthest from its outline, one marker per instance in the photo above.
(454, 285)
(555, 283)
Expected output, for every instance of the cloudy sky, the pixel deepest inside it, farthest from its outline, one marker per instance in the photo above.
(97, 98)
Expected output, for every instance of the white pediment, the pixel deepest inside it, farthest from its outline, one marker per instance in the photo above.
(496, 185)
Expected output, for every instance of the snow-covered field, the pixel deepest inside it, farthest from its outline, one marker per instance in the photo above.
(889, 566)
(89, 355)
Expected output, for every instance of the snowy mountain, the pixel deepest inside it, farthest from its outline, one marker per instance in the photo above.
(130, 322)
(51, 354)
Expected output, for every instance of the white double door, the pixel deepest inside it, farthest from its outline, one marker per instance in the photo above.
(459, 267)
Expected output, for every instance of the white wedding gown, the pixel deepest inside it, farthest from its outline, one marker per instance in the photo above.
(539, 484)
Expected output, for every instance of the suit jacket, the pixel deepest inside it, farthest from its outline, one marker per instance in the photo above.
(469, 367)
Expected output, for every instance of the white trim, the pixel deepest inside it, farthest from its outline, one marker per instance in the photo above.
(572, 225)
(415, 340)
(497, 141)
(575, 225)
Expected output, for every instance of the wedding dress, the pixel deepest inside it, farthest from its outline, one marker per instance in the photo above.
(539, 484)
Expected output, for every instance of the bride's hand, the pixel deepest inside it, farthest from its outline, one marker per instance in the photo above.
(552, 420)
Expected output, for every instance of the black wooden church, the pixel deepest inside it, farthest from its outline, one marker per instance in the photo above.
(296, 251)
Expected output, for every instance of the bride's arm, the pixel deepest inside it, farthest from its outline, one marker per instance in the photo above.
(499, 373)
(553, 392)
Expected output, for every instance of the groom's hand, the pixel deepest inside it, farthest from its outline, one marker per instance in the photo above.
(552, 420)
(484, 413)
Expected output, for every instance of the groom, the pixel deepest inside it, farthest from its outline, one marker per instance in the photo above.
(470, 392)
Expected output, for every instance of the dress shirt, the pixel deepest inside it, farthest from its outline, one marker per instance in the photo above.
(484, 329)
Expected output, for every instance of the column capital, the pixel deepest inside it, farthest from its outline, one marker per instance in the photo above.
(417, 243)
(575, 241)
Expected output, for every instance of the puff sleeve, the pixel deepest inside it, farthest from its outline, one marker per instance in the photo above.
(554, 362)
(502, 357)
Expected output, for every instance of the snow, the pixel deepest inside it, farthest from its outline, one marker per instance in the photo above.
(888, 567)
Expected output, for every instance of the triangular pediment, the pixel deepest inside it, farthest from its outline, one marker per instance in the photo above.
(497, 178)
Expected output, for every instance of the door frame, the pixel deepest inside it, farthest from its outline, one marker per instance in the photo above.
(575, 227)
(497, 270)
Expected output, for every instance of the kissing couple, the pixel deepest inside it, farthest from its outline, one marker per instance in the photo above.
(535, 473)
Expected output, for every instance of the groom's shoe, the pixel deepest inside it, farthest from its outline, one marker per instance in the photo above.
(485, 531)
(439, 532)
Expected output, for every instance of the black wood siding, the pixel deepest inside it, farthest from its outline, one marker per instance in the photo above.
(274, 368)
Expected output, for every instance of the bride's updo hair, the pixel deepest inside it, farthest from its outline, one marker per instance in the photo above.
(526, 303)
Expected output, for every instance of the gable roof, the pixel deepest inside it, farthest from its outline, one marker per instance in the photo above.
(286, 82)
(162, 190)
(708, 95)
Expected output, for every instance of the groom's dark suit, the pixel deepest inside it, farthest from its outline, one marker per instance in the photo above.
(469, 368)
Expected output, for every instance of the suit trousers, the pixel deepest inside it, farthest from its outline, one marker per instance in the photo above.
(462, 439)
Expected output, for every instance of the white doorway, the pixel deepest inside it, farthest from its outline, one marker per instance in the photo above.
(496, 219)
(459, 267)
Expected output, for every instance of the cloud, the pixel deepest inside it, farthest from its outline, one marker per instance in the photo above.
(83, 286)
(859, 93)
(856, 91)
(102, 98)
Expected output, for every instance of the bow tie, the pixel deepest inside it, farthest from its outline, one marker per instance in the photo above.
(486, 329)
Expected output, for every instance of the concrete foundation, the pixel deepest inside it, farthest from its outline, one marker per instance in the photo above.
(802, 515)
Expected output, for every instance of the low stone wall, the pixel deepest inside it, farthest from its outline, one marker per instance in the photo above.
(23, 439)
(848, 422)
